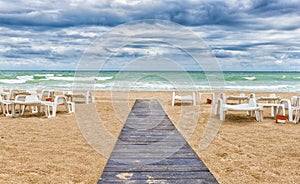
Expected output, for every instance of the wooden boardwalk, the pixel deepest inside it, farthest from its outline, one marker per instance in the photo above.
(151, 150)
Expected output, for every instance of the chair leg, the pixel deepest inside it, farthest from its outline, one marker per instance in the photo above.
(217, 107)
(272, 111)
(173, 99)
(290, 115)
(257, 115)
(47, 111)
(54, 110)
(2, 108)
(296, 119)
(22, 108)
(222, 115)
(194, 99)
(72, 107)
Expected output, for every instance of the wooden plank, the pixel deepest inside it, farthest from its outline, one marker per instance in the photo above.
(161, 175)
(151, 150)
(156, 168)
(160, 181)
(166, 161)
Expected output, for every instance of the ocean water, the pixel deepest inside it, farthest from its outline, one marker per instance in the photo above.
(151, 81)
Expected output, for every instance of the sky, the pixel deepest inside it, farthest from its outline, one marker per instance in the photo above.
(249, 35)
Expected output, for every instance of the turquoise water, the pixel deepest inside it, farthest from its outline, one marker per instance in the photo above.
(151, 81)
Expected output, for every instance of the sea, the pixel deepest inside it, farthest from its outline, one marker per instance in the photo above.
(150, 81)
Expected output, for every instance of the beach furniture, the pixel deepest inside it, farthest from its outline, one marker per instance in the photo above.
(242, 98)
(191, 98)
(5, 106)
(21, 101)
(271, 101)
(46, 94)
(8, 95)
(51, 106)
(1, 105)
(31, 101)
(79, 97)
(222, 107)
(293, 107)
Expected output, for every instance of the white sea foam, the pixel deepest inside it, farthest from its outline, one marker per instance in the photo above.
(25, 77)
(259, 88)
(102, 86)
(78, 78)
(60, 78)
(103, 78)
(19, 80)
(44, 75)
(12, 81)
(249, 78)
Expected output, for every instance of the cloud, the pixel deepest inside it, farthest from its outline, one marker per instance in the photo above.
(111, 13)
(246, 35)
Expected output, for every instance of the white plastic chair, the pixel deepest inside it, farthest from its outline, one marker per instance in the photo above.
(9, 106)
(58, 100)
(293, 107)
(184, 98)
(1, 105)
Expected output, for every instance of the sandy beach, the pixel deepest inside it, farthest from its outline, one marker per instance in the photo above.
(35, 149)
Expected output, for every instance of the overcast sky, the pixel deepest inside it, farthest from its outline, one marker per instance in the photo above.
(243, 35)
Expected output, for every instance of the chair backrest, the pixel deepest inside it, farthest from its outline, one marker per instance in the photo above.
(45, 94)
(32, 92)
(273, 95)
(31, 98)
(294, 100)
(297, 101)
(12, 93)
(223, 98)
(252, 100)
(20, 98)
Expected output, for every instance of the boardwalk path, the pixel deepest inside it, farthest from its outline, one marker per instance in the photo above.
(151, 150)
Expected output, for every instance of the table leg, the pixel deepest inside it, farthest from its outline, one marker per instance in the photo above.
(13, 111)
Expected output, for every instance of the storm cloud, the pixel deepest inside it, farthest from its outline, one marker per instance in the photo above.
(261, 34)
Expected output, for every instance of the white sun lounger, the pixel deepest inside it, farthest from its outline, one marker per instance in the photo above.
(191, 98)
(222, 108)
(22, 101)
